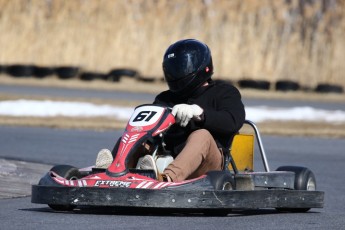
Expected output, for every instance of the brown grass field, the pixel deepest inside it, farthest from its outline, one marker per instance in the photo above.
(297, 40)
(270, 40)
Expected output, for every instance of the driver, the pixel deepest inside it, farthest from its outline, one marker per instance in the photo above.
(208, 113)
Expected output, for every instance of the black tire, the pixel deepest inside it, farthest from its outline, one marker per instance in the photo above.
(286, 85)
(304, 180)
(146, 79)
(328, 88)
(221, 180)
(66, 72)
(42, 72)
(89, 76)
(113, 78)
(124, 72)
(116, 74)
(224, 80)
(20, 70)
(254, 84)
(2, 69)
(67, 172)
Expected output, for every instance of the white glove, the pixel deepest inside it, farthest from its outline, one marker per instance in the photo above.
(184, 113)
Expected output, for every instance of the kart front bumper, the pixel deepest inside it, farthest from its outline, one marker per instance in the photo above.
(176, 199)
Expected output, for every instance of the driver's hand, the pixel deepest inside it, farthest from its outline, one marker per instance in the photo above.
(184, 113)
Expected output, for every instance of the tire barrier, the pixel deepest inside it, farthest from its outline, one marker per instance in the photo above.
(42, 72)
(115, 75)
(286, 85)
(2, 69)
(67, 72)
(329, 88)
(225, 80)
(124, 72)
(89, 76)
(254, 84)
(20, 70)
(146, 79)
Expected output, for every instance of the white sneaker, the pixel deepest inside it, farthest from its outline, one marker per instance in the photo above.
(147, 162)
(104, 159)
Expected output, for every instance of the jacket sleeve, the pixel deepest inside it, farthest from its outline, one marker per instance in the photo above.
(228, 114)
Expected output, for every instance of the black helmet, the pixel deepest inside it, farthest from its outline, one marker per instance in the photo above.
(187, 64)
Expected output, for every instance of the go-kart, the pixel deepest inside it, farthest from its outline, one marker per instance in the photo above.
(123, 185)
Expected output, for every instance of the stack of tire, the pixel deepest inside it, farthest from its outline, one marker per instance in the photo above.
(25, 71)
(287, 86)
(254, 84)
(115, 75)
(66, 72)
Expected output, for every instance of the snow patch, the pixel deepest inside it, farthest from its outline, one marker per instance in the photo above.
(48, 108)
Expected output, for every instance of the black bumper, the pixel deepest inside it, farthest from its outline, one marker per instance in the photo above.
(176, 199)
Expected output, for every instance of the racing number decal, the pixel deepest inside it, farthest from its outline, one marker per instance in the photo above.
(144, 115)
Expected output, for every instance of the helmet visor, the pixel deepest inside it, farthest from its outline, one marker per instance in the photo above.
(176, 85)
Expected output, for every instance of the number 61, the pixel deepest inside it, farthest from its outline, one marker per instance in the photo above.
(144, 115)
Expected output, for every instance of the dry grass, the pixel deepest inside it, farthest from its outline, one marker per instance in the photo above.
(267, 39)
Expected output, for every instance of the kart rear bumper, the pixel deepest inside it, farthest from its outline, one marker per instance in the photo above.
(176, 199)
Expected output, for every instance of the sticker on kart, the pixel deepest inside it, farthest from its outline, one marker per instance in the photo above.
(146, 116)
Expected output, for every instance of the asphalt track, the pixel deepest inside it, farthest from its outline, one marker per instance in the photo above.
(325, 157)
(54, 146)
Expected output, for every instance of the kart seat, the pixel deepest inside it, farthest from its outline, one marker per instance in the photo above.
(242, 152)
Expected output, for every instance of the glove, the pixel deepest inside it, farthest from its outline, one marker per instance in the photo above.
(184, 113)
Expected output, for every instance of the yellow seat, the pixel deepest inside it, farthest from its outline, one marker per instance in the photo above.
(242, 151)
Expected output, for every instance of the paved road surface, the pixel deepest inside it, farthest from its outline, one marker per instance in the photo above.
(45, 146)
(53, 146)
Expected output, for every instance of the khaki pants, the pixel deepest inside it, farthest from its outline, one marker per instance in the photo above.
(199, 156)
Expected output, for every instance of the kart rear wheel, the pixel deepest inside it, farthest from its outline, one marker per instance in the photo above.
(221, 180)
(304, 180)
(68, 172)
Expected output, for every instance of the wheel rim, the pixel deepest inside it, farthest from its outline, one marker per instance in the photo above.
(311, 185)
(227, 186)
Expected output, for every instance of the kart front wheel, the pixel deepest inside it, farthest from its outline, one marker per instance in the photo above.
(70, 173)
(304, 180)
(67, 171)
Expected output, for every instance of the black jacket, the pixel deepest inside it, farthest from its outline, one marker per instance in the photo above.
(223, 114)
